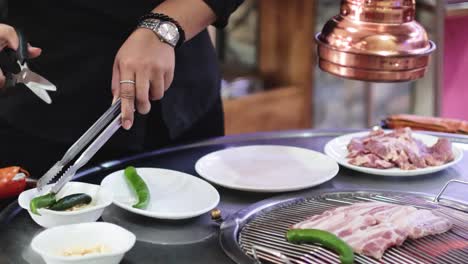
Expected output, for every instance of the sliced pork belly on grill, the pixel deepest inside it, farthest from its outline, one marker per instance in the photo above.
(394, 213)
(421, 223)
(370, 228)
(338, 219)
(360, 209)
(321, 221)
(341, 224)
(374, 240)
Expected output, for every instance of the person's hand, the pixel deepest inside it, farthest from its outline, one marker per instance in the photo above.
(148, 62)
(9, 39)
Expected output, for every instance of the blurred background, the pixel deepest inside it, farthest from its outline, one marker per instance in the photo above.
(272, 82)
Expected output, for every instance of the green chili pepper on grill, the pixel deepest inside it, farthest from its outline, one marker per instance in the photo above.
(324, 238)
(138, 186)
(41, 202)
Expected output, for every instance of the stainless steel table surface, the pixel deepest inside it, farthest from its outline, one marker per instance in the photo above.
(196, 240)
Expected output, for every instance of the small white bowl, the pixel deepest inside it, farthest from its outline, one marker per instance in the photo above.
(49, 218)
(51, 243)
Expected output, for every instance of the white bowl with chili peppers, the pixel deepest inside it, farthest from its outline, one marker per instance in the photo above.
(77, 202)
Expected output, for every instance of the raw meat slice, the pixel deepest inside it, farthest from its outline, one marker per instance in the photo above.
(374, 240)
(371, 161)
(442, 151)
(421, 223)
(356, 147)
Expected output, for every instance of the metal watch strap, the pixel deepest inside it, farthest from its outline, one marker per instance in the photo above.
(153, 25)
(166, 18)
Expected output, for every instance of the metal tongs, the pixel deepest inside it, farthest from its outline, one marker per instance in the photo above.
(111, 118)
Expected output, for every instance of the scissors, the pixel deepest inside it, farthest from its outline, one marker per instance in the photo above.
(14, 65)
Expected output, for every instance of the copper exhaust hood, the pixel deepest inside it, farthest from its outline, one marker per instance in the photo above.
(375, 40)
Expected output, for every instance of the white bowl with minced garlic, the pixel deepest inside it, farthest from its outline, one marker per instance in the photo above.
(96, 243)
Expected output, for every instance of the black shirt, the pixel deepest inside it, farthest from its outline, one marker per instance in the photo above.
(80, 39)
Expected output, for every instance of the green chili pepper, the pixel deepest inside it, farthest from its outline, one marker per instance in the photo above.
(138, 186)
(41, 202)
(324, 238)
(70, 201)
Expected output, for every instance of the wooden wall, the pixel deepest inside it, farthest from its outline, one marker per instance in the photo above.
(286, 61)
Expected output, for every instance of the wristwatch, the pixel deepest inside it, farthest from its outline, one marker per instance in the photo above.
(166, 31)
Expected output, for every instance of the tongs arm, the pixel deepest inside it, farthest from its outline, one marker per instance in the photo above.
(80, 144)
(88, 153)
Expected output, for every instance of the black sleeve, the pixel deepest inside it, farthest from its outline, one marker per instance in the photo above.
(223, 9)
(3, 10)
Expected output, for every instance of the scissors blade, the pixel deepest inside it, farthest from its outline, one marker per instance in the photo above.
(36, 83)
(40, 92)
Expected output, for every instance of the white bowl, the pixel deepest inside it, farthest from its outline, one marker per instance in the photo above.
(49, 218)
(51, 243)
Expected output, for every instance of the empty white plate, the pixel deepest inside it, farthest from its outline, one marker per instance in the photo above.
(337, 149)
(267, 168)
(174, 195)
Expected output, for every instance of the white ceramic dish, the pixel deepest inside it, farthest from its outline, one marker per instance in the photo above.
(53, 242)
(174, 195)
(337, 149)
(49, 218)
(267, 168)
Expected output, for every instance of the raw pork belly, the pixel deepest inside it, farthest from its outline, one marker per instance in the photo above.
(397, 149)
(371, 228)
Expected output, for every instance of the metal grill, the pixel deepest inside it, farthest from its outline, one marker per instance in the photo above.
(264, 236)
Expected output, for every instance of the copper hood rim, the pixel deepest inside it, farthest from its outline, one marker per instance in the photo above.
(359, 74)
(427, 52)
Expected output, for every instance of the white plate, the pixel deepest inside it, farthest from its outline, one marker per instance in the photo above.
(174, 195)
(266, 168)
(336, 148)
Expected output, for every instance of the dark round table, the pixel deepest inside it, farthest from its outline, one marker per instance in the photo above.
(196, 240)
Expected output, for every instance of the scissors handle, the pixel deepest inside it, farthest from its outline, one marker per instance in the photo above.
(22, 54)
(10, 80)
(10, 58)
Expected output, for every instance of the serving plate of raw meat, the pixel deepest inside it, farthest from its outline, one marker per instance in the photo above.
(397, 152)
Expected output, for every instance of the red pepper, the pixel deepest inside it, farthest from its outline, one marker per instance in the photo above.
(10, 185)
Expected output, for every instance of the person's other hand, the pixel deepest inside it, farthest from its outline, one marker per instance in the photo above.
(148, 62)
(9, 39)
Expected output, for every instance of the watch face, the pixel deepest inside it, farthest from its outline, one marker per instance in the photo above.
(168, 31)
